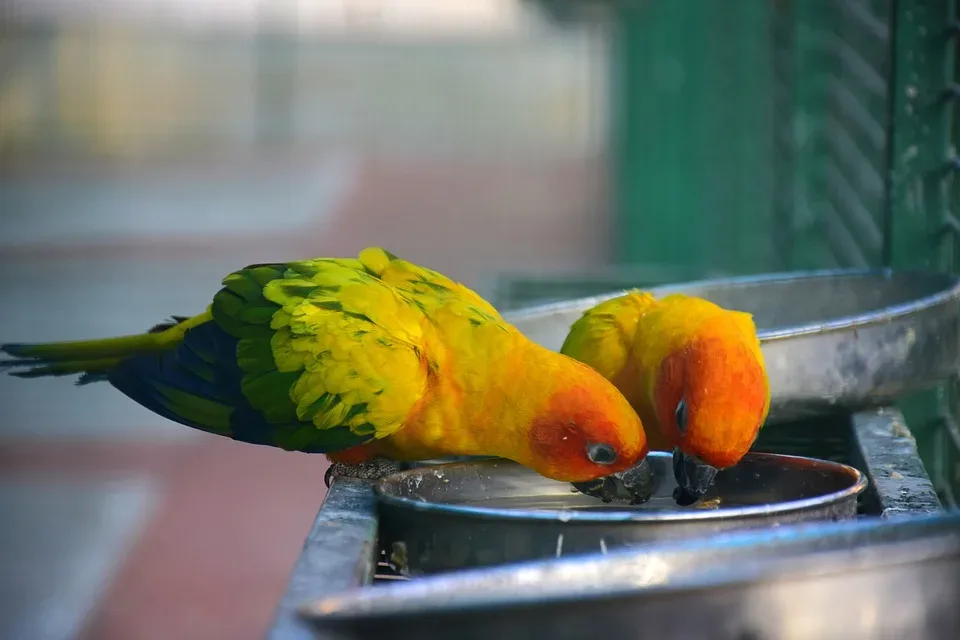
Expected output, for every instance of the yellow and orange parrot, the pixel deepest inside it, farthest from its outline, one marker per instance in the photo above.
(693, 371)
(365, 360)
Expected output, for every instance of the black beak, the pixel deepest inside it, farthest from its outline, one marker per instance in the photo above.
(694, 477)
(634, 485)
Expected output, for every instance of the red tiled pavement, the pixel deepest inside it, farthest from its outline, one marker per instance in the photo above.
(216, 558)
(62, 458)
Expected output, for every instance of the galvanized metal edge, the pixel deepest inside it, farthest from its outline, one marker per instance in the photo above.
(899, 484)
(539, 319)
(340, 553)
(589, 579)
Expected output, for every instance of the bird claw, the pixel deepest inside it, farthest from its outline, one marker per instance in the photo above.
(632, 486)
(694, 478)
(372, 470)
(639, 481)
(603, 488)
(683, 497)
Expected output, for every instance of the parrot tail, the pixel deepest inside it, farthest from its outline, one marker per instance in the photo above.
(92, 359)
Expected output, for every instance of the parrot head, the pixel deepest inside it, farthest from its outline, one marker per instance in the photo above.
(584, 428)
(711, 396)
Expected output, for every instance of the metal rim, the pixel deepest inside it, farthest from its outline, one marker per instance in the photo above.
(573, 516)
(833, 558)
(844, 322)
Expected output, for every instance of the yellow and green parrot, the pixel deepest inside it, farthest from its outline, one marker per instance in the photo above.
(693, 371)
(365, 359)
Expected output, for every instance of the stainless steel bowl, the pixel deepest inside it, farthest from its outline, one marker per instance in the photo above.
(846, 581)
(832, 340)
(489, 512)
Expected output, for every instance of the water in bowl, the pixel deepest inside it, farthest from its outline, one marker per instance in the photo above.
(580, 502)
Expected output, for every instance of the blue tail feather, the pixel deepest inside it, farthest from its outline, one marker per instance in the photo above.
(138, 376)
(214, 376)
(91, 378)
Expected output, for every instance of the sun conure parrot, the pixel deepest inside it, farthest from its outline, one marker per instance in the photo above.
(362, 359)
(693, 371)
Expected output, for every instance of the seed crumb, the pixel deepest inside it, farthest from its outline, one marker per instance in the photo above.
(900, 430)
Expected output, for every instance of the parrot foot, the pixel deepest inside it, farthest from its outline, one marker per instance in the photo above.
(603, 488)
(694, 478)
(374, 469)
(633, 486)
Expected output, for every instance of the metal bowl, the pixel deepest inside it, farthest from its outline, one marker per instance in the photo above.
(853, 580)
(489, 512)
(832, 340)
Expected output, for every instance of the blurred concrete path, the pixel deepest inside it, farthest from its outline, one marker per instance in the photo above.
(129, 526)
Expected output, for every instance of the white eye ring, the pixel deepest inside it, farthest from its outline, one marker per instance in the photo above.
(600, 453)
(680, 416)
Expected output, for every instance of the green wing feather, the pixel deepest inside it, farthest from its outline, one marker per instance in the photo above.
(330, 355)
(469, 329)
(430, 291)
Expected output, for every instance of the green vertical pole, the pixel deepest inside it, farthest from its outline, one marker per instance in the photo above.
(657, 197)
(747, 87)
(809, 71)
(690, 130)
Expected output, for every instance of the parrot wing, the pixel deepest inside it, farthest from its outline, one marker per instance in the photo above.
(461, 317)
(602, 337)
(428, 289)
(316, 355)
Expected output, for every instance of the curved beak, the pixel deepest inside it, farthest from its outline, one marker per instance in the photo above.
(634, 485)
(694, 477)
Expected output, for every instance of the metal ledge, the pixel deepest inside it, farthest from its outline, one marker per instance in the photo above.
(341, 550)
(899, 484)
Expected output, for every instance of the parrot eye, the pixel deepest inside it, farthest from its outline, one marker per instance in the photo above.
(601, 453)
(681, 416)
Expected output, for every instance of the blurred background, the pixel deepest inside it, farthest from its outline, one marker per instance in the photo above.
(533, 150)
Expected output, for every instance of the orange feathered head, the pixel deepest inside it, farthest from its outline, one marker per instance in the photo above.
(712, 395)
(585, 429)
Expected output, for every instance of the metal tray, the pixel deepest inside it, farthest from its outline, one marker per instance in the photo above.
(832, 340)
(488, 512)
(856, 580)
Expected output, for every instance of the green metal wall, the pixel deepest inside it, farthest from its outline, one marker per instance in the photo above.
(867, 97)
(924, 189)
(756, 135)
(833, 81)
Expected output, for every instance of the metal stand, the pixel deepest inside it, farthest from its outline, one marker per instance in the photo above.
(341, 550)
